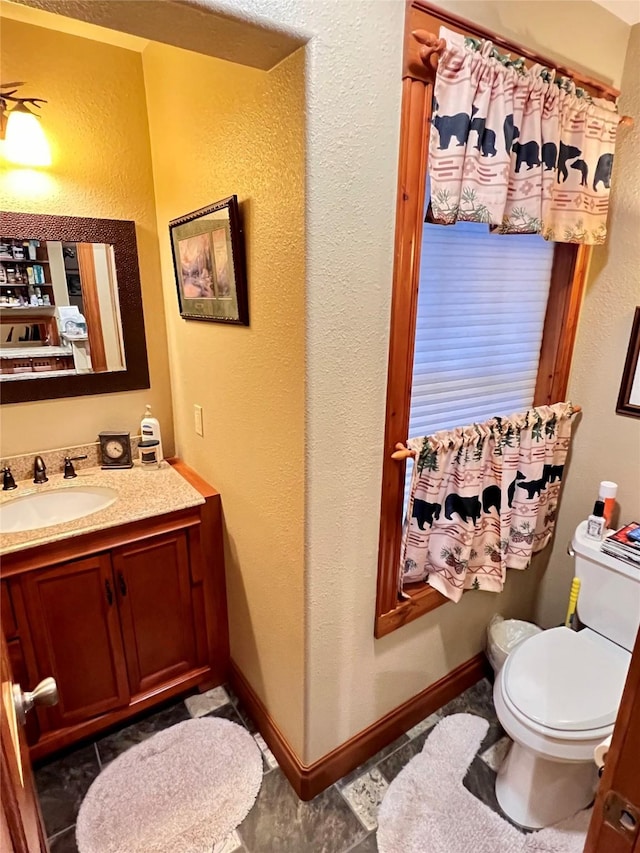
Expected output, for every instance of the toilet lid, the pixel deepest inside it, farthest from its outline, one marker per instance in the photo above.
(567, 680)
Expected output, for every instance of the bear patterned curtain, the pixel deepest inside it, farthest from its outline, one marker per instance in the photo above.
(483, 499)
(516, 148)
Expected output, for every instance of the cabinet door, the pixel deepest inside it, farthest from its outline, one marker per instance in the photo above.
(154, 591)
(75, 631)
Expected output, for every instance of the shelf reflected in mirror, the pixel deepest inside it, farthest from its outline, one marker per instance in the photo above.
(64, 330)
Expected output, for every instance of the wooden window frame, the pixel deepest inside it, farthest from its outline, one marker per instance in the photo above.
(568, 275)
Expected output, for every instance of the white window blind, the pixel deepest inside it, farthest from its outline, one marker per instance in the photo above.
(481, 308)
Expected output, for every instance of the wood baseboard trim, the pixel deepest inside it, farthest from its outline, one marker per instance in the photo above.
(308, 780)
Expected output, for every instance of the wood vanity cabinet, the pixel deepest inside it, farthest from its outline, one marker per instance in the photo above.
(74, 630)
(122, 618)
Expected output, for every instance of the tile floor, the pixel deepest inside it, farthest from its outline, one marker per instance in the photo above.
(341, 819)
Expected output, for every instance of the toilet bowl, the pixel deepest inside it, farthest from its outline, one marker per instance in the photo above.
(557, 697)
(558, 694)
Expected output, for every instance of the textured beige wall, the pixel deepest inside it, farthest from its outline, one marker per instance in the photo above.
(579, 33)
(96, 122)
(219, 129)
(606, 445)
(353, 679)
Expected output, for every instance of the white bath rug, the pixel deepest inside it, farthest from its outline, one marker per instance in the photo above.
(427, 808)
(181, 791)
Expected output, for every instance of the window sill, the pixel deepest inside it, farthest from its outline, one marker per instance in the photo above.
(422, 599)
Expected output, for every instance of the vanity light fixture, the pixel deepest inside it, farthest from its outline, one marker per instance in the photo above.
(25, 142)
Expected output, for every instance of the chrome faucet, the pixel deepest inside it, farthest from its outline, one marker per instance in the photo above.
(39, 470)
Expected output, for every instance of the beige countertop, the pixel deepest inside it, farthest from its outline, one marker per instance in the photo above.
(142, 493)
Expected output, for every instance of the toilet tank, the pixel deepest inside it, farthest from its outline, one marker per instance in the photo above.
(609, 597)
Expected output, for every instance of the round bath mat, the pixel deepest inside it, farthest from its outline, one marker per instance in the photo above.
(184, 789)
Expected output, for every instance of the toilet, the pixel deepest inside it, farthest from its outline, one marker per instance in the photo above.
(557, 695)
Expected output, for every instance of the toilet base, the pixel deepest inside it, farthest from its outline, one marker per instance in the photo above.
(535, 792)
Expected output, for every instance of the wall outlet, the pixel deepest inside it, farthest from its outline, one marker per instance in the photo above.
(198, 422)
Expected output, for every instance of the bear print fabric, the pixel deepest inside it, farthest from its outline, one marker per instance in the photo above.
(483, 499)
(515, 148)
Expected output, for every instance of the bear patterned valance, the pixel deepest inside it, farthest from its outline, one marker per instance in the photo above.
(516, 148)
(483, 499)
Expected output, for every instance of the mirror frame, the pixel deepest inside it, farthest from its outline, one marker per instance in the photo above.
(121, 234)
(631, 368)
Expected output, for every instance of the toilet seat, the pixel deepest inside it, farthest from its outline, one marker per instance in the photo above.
(566, 683)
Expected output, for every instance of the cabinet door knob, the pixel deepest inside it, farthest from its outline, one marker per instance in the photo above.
(107, 587)
(122, 583)
(45, 693)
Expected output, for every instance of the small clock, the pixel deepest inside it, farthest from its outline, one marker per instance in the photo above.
(115, 449)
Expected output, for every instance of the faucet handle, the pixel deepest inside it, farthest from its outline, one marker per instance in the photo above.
(8, 482)
(69, 470)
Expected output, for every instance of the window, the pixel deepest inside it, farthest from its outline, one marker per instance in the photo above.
(440, 374)
(482, 300)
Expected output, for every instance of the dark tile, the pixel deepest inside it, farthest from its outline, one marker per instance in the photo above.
(231, 694)
(227, 712)
(478, 699)
(62, 784)
(481, 782)
(367, 845)
(114, 744)
(379, 756)
(281, 823)
(245, 716)
(393, 764)
(64, 843)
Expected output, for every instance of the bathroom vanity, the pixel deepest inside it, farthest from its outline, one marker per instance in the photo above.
(125, 607)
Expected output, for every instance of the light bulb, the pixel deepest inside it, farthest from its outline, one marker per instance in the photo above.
(25, 141)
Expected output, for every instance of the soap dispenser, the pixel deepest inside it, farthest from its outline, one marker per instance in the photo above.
(150, 431)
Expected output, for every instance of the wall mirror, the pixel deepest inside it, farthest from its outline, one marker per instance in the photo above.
(71, 320)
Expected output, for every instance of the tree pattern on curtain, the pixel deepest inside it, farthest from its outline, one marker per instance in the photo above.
(516, 149)
(484, 499)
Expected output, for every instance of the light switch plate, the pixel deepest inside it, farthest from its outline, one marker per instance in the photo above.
(198, 422)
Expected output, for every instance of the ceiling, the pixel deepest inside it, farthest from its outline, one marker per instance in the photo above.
(189, 24)
(627, 10)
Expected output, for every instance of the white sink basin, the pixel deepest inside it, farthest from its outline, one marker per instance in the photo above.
(56, 506)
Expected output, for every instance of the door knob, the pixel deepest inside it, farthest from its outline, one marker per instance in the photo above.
(45, 693)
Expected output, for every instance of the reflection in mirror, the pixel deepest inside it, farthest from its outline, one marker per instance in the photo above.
(71, 314)
(59, 309)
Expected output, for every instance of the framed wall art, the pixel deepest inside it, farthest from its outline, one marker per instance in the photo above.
(208, 258)
(629, 396)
